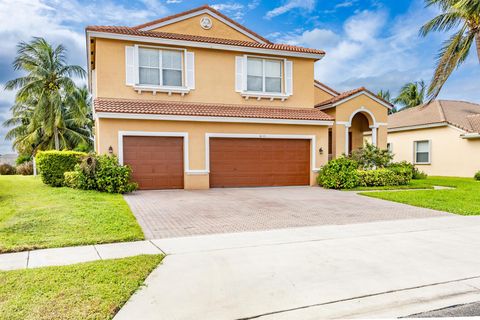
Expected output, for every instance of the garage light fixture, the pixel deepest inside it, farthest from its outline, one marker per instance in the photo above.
(110, 150)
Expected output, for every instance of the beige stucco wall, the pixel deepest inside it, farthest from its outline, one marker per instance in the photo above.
(108, 136)
(192, 26)
(344, 111)
(214, 78)
(450, 154)
(320, 95)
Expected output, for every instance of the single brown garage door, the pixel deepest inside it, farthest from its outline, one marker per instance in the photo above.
(238, 162)
(157, 162)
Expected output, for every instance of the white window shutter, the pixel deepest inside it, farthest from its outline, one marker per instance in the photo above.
(190, 77)
(135, 65)
(129, 66)
(239, 73)
(288, 77)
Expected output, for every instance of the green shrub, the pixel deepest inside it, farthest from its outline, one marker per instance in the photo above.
(112, 177)
(477, 176)
(53, 164)
(381, 177)
(102, 173)
(71, 179)
(6, 169)
(22, 159)
(371, 157)
(417, 174)
(340, 173)
(26, 168)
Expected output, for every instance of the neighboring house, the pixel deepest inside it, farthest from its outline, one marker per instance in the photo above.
(8, 158)
(196, 100)
(441, 138)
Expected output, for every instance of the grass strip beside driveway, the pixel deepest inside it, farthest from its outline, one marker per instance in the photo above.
(92, 290)
(33, 216)
(463, 200)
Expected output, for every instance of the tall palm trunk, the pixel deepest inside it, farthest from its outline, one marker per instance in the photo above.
(57, 142)
(477, 38)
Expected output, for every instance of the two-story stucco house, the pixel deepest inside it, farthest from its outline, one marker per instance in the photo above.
(196, 100)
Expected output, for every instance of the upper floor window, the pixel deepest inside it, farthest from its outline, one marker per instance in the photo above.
(422, 152)
(264, 75)
(263, 78)
(160, 67)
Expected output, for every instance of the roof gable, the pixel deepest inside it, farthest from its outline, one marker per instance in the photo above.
(460, 114)
(348, 95)
(188, 22)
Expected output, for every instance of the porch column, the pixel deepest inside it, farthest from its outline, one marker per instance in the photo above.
(347, 127)
(374, 135)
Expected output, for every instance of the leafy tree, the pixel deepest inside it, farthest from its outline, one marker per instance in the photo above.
(385, 95)
(411, 95)
(50, 111)
(463, 16)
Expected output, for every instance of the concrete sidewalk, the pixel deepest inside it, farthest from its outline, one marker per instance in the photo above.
(72, 255)
(379, 269)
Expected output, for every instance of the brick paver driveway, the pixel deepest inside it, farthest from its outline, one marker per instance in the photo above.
(176, 213)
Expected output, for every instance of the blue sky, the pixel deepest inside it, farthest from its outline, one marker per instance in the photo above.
(372, 43)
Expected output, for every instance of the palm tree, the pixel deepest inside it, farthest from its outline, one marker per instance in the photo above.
(411, 95)
(48, 81)
(385, 95)
(28, 132)
(461, 14)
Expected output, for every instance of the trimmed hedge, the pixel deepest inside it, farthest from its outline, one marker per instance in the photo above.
(53, 164)
(381, 177)
(25, 169)
(340, 173)
(477, 176)
(6, 169)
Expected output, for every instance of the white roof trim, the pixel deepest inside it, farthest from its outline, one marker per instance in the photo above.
(420, 126)
(473, 135)
(327, 90)
(371, 96)
(200, 12)
(137, 116)
(196, 44)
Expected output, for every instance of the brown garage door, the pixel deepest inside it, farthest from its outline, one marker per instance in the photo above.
(259, 162)
(157, 162)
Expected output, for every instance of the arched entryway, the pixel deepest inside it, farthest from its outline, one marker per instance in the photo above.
(361, 120)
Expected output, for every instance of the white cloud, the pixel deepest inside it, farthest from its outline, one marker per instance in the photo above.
(253, 4)
(307, 5)
(364, 25)
(174, 1)
(345, 4)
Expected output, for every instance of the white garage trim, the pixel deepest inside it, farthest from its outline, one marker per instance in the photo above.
(184, 135)
(312, 139)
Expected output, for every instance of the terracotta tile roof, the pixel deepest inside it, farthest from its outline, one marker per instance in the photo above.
(186, 37)
(324, 85)
(461, 114)
(154, 22)
(207, 109)
(348, 94)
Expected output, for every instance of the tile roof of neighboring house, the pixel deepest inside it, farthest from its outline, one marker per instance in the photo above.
(154, 22)
(324, 85)
(347, 94)
(207, 109)
(461, 114)
(186, 37)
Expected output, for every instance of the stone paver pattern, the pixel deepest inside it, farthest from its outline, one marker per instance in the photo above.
(178, 213)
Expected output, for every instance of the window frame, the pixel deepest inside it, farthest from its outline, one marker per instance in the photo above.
(160, 68)
(264, 92)
(415, 152)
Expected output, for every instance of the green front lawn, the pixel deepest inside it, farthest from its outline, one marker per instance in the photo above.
(464, 199)
(93, 290)
(33, 215)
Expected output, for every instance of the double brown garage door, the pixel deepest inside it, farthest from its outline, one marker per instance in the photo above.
(157, 162)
